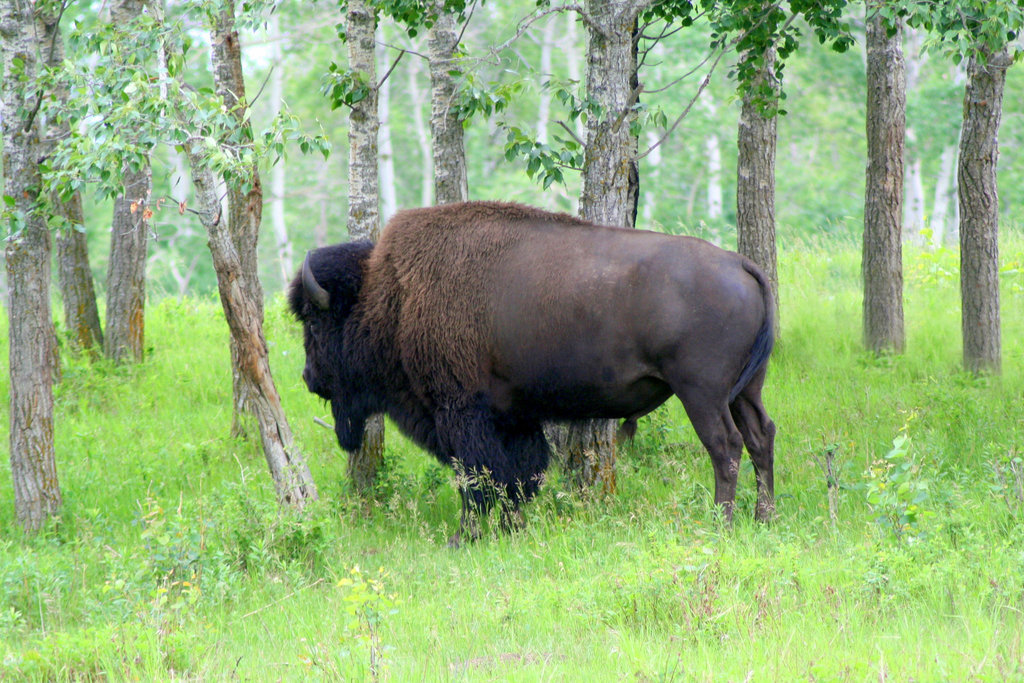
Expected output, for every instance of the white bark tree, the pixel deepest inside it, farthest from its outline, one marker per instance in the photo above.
(422, 131)
(451, 183)
(386, 151)
(363, 197)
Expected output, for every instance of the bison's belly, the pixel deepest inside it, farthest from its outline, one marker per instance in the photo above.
(558, 397)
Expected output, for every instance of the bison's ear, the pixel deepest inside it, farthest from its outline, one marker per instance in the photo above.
(317, 294)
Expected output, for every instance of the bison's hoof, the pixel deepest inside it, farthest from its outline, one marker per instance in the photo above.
(765, 513)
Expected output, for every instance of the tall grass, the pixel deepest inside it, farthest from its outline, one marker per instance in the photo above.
(172, 561)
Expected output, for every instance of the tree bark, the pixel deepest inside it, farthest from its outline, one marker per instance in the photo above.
(913, 208)
(979, 210)
(422, 135)
(945, 188)
(37, 493)
(245, 198)
(882, 256)
(126, 276)
(81, 314)
(363, 199)
(611, 150)
(451, 183)
(755, 184)
(386, 153)
(292, 479)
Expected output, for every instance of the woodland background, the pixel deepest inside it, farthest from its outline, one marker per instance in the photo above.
(169, 554)
(687, 183)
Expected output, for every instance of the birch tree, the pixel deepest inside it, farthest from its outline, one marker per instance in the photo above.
(37, 493)
(386, 152)
(363, 197)
(292, 479)
(451, 183)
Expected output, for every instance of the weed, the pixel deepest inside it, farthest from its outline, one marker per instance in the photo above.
(897, 492)
(360, 653)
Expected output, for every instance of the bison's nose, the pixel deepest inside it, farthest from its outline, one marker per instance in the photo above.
(305, 377)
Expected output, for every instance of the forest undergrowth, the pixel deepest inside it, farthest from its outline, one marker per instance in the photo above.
(897, 553)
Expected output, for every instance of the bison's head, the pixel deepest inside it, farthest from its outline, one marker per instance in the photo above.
(322, 297)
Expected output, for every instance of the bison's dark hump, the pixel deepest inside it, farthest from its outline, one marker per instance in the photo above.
(476, 214)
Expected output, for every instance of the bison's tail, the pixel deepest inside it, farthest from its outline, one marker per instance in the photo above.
(765, 339)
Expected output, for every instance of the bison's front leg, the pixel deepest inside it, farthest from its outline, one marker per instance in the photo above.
(495, 462)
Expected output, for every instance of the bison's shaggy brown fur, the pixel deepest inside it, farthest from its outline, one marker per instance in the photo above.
(470, 324)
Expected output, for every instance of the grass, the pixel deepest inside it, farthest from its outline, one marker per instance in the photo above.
(172, 561)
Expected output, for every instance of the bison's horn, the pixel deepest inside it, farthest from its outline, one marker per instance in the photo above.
(320, 296)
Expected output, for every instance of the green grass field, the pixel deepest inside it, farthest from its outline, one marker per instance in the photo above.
(172, 560)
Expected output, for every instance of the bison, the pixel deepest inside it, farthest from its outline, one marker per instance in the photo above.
(472, 324)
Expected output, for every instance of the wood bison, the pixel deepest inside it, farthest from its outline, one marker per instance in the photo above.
(472, 324)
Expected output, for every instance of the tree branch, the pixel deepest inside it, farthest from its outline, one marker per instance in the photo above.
(401, 54)
(49, 60)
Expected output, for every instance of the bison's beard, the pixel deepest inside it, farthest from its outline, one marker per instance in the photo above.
(349, 425)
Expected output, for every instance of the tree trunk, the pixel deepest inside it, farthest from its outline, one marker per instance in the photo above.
(979, 210)
(547, 47)
(611, 151)
(943, 198)
(81, 315)
(32, 343)
(363, 197)
(245, 205)
(913, 208)
(451, 183)
(422, 135)
(126, 276)
(882, 257)
(292, 479)
(714, 152)
(388, 191)
(652, 172)
(755, 183)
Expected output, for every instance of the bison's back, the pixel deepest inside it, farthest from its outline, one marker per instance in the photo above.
(488, 296)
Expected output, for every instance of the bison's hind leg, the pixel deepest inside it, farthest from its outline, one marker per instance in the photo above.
(709, 414)
(758, 432)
